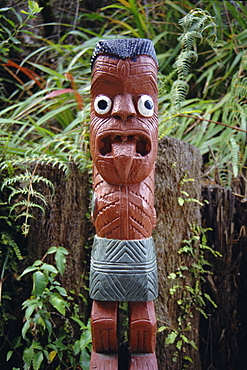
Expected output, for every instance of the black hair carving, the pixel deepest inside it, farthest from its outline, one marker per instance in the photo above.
(124, 48)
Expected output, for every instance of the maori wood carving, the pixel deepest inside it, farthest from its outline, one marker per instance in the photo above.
(123, 140)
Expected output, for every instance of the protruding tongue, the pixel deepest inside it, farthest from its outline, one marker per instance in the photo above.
(123, 154)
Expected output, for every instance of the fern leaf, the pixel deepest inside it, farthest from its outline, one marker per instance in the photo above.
(179, 91)
(26, 191)
(187, 39)
(26, 178)
(9, 241)
(26, 215)
(27, 204)
(183, 63)
(201, 22)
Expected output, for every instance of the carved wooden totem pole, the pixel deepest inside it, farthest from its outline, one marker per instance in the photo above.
(123, 139)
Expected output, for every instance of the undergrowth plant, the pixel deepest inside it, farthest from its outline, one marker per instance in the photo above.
(191, 297)
(47, 127)
(10, 28)
(10, 257)
(215, 124)
(43, 121)
(197, 25)
(29, 198)
(50, 125)
(50, 317)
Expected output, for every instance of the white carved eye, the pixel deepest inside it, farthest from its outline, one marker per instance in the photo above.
(145, 106)
(102, 104)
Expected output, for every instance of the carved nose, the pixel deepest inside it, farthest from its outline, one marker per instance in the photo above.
(123, 107)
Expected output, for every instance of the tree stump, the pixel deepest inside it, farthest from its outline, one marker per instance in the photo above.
(178, 170)
(224, 335)
(64, 224)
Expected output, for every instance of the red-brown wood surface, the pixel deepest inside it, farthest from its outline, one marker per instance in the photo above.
(123, 142)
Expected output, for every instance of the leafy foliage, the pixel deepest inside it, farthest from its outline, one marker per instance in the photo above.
(9, 31)
(51, 125)
(10, 256)
(192, 298)
(45, 340)
(44, 119)
(26, 182)
(195, 24)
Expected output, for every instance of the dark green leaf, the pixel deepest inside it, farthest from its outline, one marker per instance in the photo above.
(58, 303)
(49, 268)
(25, 327)
(28, 355)
(61, 291)
(28, 269)
(63, 250)
(85, 360)
(60, 261)
(77, 347)
(52, 250)
(37, 360)
(9, 355)
(40, 282)
(82, 325)
(29, 311)
(86, 339)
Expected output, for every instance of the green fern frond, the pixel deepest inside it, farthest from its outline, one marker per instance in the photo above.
(29, 196)
(27, 204)
(235, 114)
(179, 91)
(239, 87)
(27, 178)
(26, 216)
(201, 22)
(25, 228)
(59, 151)
(169, 127)
(224, 177)
(26, 191)
(183, 63)
(43, 160)
(7, 240)
(197, 24)
(187, 39)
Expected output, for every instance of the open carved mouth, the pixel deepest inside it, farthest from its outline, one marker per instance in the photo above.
(142, 143)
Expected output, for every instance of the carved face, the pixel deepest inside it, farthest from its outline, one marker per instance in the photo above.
(124, 118)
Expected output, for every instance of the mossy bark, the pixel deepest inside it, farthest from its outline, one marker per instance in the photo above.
(65, 223)
(178, 170)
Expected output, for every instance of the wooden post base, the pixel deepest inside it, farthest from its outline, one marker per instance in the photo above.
(104, 327)
(142, 335)
(143, 361)
(139, 361)
(142, 327)
(100, 361)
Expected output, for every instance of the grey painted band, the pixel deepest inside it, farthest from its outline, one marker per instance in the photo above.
(123, 270)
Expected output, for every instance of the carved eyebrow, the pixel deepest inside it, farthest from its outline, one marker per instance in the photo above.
(104, 78)
(147, 79)
(136, 88)
(102, 83)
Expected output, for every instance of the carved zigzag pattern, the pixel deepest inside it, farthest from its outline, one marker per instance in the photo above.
(124, 212)
(137, 219)
(117, 287)
(123, 270)
(123, 251)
